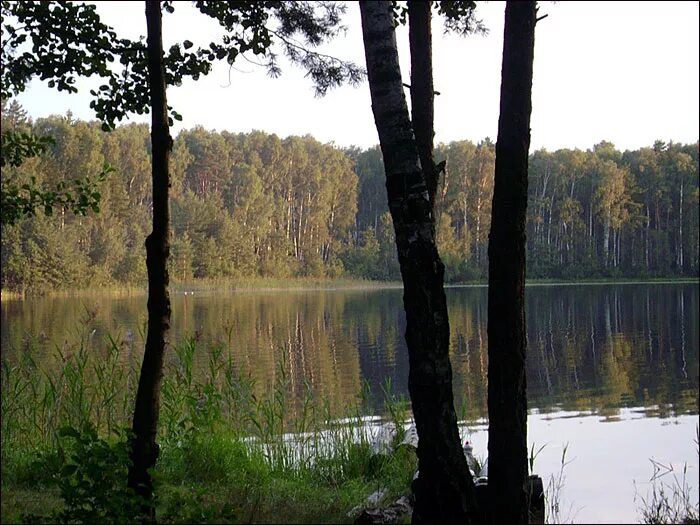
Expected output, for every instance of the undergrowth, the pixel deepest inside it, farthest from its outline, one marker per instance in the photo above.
(228, 454)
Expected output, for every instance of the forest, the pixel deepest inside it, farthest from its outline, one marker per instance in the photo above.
(253, 204)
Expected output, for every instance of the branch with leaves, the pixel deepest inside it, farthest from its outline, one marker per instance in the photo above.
(79, 196)
(69, 40)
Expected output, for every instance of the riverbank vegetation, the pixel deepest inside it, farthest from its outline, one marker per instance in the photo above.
(254, 206)
(227, 454)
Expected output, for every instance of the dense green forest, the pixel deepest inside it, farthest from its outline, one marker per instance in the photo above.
(252, 204)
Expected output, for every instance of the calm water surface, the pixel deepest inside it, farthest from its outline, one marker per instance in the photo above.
(612, 369)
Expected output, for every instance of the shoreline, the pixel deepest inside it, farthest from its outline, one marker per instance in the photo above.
(205, 287)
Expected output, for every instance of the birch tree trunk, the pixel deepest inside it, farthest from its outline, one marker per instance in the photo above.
(680, 230)
(646, 238)
(507, 390)
(144, 448)
(444, 489)
(606, 238)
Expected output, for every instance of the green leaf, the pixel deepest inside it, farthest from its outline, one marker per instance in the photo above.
(68, 432)
(68, 470)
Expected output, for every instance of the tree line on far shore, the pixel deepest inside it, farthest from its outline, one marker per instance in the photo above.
(252, 204)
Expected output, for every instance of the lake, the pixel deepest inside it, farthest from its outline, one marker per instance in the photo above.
(612, 369)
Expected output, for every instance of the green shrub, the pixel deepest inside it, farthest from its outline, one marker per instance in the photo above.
(91, 478)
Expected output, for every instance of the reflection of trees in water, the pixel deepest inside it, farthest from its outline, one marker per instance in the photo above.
(627, 348)
(590, 347)
(593, 348)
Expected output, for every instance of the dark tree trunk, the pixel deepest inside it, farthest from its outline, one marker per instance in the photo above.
(444, 490)
(422, 91)
(507, 395)
(144, 449)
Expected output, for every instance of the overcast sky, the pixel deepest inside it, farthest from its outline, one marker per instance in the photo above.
(626, 72)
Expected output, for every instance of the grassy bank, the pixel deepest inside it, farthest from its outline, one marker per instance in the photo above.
(226, 455)
(217, 478)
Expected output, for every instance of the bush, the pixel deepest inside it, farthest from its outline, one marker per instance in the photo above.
(91, 480)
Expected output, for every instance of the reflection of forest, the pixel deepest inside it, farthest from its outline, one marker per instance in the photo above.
(606, 347)
(591, 348)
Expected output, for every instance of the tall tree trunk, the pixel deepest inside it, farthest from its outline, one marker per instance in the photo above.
(606, 238)
(590, 229)
(477, 239)
(444, 489)
(507, 393)
(680, 230)
(422, 91)
(646, 239)
(144, 448)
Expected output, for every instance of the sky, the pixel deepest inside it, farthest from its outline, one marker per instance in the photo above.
(625, 72)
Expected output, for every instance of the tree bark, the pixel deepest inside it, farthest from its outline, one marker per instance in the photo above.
(144, 448)
(507, 395)
(444, 489)
(422, 91)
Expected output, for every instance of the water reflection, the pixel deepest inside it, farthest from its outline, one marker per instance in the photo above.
(591, 348)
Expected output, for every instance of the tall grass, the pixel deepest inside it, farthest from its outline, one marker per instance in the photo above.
(555, 511)
(670, 498)
(215, 432)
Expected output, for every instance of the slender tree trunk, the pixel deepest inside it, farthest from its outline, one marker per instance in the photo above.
(444, 489)
(422, 91)
(144, 449)
(590, 227)
(646, 239)
(477, 243)
(506, 322)
(606, 238)
(549, 226)
(680, 230)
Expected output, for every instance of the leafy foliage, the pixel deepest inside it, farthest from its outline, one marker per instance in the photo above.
(91, 477)
(249, 28)
(69, 40)
(19, 200)
(458, 16)
(17, 146)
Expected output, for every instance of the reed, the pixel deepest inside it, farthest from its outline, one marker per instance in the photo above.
(275, 454)
(671, 497)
